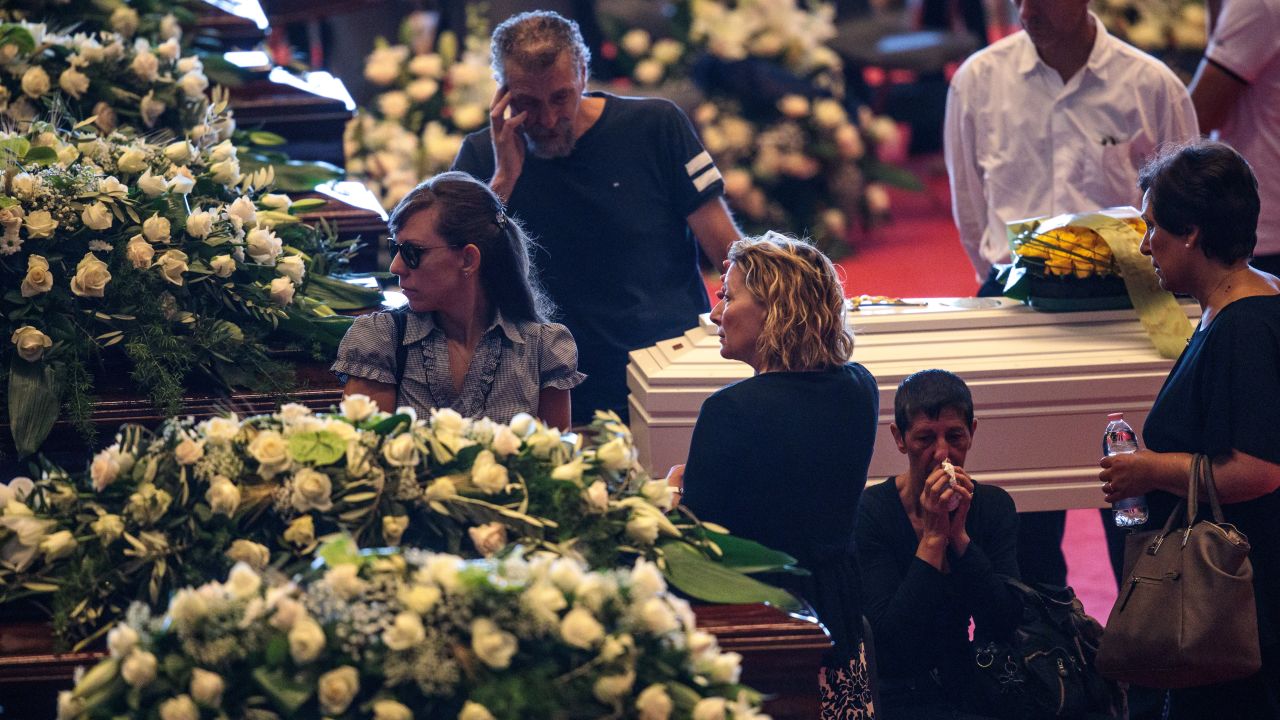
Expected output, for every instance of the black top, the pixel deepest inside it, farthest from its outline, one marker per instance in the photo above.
(781, 458)
(920, 616)
(1224, 393)
(613, 248)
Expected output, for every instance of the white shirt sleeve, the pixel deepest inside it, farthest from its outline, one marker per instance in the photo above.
(1244, 38)
(968, 198)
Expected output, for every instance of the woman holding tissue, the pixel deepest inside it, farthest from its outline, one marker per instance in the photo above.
(782, 456)
(476, 338)
(1201, 207)
(931, 546)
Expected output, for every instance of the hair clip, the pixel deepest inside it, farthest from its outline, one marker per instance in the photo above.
(500, 219)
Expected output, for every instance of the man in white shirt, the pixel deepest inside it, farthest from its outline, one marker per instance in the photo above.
(1236, 91)
(1052, 120)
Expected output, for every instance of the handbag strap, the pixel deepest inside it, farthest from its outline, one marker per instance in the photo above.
(1202, 476)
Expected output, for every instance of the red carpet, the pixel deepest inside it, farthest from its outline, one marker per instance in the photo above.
(918, 254)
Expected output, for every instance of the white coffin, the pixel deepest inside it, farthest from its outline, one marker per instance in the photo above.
(1042, 386)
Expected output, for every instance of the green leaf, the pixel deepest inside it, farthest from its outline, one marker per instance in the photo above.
(893, 175)
(386, 427)
(277, 650)
(268, 139)
(34, 399)
(691, 572)
(287, 694)
(749, 556)
(17, 146)
(41, 155)
(341, 550)
(341, 295)
(19, 37)
(319, 447)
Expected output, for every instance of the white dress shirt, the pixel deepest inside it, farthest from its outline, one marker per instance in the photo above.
(1022, 143)
(1244, 42)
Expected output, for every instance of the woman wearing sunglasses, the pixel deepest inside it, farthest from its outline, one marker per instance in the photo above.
(475, 336)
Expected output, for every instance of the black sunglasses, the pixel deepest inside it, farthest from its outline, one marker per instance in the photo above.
(411, 253)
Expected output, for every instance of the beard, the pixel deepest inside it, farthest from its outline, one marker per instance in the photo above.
(554, 143)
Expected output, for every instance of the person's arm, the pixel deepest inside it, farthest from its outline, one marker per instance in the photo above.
(968, 197)
(382, 393)
(992, 553)
(1214, 92)
(1238, 476)
(508, 144)
(555, 407)
(715, 229)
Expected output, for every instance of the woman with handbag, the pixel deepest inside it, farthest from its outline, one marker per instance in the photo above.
(475, 336)
(1222, 398)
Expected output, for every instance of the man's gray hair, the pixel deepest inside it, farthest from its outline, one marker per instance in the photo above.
(534, 41)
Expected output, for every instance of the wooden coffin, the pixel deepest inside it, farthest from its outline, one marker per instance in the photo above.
(1042, 386)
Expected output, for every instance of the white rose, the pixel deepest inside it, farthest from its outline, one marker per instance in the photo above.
(200, 224)
(170, 28)
(156, 228)
(357, 407)
(617, 454)
(223, 265)
(658, 616)
(250, 553)
(469, 117)
(67, 155)
(383, 65)
(180, 179)
(487, 474)
(642, 528)
(345, 581)
(35, 82)
(132, 160)
(96, 216)
(393, 527)
(139, 252)
(124, 20)
(400, 451)
(243, 209)
(422, 90)
(447, 421)
(281, 291)
(179, 151)
(394, 105)
(107, 466)
(194, 84)
(311, 491)
(654, 703)
(179, 708)
(306, 640)
(419, 598)
(31, 343)
(25, 185)
(152, 185)
(73, 82)
(648, 72)
(391, 710)
(610, 689)
(151, 109)
(292, 267)
(442, 488)
(190, 63)
(566, 573)
(636, 42)
(112, 187)
(301, 532)
(146, 66)
(276, 201)
(58, 545)
(712, 708)
(667, 51)
(488, 538)
(580, 628)
(505, 442)
(493, 645)
(544, 601)
(221, 429)
(225, 172)
(243, 581)
(475, 711)
(108, 528)
(188, 451)
(38, 278)
(223, 496)
(207, 687)
(405, 632)
(172, 264)
(570, 471)
(262, 245)
(597, 496)
(337, 688)
(522, 424)
(122, 640)
(430, 65)
(271, 451)
(794, 106)
(139, 669)
(726, 668)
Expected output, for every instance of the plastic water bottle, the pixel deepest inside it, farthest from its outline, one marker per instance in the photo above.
(1119, 439)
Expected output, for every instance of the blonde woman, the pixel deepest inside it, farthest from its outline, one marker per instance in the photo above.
(782, 457)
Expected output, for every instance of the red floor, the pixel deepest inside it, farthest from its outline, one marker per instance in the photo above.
(918, 254)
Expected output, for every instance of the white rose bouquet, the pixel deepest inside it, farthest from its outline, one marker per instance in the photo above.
(429, 102)
(419, 635)
(163, 255)
(156, 511)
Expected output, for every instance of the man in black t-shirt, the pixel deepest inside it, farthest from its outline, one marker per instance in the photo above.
(610, 188)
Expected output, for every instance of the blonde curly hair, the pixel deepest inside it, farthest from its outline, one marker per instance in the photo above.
(803, 300)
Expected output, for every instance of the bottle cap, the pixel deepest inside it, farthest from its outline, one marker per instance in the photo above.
(1115, 416)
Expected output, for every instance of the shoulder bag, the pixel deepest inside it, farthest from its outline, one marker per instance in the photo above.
(1186, 615)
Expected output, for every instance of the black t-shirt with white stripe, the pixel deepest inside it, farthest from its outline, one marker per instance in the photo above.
(614, 249)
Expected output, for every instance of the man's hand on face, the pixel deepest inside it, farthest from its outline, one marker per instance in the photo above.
(508, 143)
